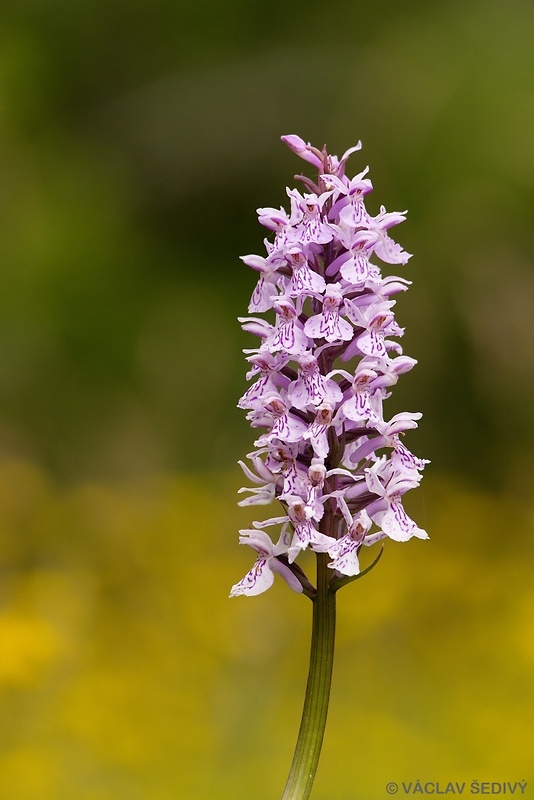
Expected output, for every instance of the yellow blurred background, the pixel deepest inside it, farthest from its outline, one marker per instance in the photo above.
(136, 141)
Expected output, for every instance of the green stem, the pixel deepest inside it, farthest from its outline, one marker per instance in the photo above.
(311, 733)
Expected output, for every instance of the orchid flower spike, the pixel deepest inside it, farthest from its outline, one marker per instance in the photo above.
(321, 374)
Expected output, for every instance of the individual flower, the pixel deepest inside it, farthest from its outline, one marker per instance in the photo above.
(344, 553)
(288, 335)
(329, 324)
(311, 388)
(261, 576)
(390, 484)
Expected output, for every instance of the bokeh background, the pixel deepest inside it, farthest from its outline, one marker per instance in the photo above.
(136, 141)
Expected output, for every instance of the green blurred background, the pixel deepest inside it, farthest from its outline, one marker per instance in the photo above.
(136, 141)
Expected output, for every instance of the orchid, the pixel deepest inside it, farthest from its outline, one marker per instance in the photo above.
(322, 373)
(261, 576)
